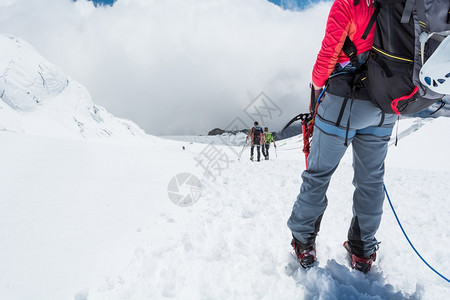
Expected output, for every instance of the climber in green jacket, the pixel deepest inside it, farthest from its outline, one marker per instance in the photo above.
(268, 139)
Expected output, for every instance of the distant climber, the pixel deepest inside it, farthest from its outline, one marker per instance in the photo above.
(256, 136)
(268, 138)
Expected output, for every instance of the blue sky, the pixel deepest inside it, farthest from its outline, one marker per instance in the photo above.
(288, 4)
(105, 2)
(293, 4)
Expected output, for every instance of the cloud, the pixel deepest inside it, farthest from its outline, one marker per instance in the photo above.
(177, 67)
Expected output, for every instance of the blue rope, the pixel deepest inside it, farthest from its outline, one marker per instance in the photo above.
(319, 99)
(404, 233)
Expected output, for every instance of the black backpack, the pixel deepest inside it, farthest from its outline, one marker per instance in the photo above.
(257, 131)
(392, 77)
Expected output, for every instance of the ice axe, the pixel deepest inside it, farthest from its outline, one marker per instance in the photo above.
(307, 121)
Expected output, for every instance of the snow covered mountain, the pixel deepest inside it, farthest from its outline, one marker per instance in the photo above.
(37, 97)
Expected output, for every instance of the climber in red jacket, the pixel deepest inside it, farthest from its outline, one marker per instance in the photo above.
(345, 116)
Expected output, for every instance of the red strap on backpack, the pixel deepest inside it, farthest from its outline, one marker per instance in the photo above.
(395, 102)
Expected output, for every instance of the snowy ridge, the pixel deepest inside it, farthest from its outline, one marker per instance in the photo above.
(225, 139)
(37, 97)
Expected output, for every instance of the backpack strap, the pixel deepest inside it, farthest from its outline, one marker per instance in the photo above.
(406, 16)
(440, 106)
(383, 115)
(421, 16)
(350, 50)
(341, 112)
(372, 20)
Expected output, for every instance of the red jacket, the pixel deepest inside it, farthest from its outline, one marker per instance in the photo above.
(344, 19)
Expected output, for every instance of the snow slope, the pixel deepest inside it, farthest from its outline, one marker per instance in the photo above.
(92, 220)
(37, 97)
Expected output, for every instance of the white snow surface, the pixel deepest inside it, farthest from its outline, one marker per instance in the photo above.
(85, 210)
(83, 219)
(37, 97)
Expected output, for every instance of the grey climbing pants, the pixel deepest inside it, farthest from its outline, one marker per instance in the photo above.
(368, 131)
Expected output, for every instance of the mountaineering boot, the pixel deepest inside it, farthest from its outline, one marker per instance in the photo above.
(305, 255)
(362, 264)
(251, 157)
